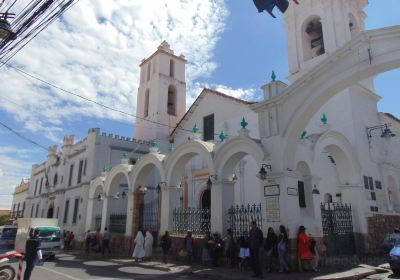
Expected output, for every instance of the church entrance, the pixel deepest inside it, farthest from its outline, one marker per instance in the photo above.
(206, 199)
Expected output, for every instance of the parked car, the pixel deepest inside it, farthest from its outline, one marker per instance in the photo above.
(389, 242)
(8, 236)
(394, 258)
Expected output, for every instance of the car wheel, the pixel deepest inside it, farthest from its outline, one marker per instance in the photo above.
(7, 272)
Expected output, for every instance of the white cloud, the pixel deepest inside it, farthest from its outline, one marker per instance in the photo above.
(13, 167)
(95, 50)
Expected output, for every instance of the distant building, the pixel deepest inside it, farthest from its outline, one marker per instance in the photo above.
(18, 205)
(59, 187)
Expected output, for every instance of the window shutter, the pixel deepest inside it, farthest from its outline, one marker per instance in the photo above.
(302, 197)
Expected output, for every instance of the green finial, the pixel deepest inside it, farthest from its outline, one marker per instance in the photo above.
(273, 76)
(125, 155)
(105, 168)
(303, 135)
(324, 119)
(244, 123)
(153, 144)
(195, 128)
(222, 136)
(170, 147)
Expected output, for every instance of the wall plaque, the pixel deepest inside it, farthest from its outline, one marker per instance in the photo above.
(271, 190)
(292, 191)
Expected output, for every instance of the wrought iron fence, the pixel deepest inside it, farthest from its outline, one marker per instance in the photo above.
(197, 220)
(240, 217)
(337, 226)
(117, 223)
(97, 222)
(150, 215)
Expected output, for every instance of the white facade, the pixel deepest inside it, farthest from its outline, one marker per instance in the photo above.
(18, 205)
(69, 172)
(321, 136)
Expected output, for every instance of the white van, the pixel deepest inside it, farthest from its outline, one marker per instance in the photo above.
(49, 235)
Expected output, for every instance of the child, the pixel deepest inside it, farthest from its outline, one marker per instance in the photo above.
(244, 252)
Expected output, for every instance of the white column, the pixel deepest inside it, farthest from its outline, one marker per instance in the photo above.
(104, 215)
(89, 215)
(221, 200)
(129, 214)
(169, 201)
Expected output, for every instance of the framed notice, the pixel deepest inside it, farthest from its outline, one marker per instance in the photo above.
(273, 209)
(271, 190)
(292, 191)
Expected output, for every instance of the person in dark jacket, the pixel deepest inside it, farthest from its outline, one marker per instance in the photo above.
(270, 247)
(32, 247)
(165, 243)
(256, 240)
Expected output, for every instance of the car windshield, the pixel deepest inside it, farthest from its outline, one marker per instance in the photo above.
(9, 232)
(49, 232)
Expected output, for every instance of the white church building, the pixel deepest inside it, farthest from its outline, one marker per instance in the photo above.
(315, 152)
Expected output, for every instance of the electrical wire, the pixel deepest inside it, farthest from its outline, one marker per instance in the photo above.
(24, 73)
(22, 136)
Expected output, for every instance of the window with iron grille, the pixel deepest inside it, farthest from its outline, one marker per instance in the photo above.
(41, 184)
(80, 171)
(208, 127)
(71, 172)
(66, 209)
(37, 210)
(36, 185)
(301, 192)
(32, 209)
(76, 208)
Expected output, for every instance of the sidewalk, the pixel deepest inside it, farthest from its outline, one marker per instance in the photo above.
(224, 273)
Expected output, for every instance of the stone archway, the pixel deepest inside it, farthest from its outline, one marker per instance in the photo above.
(145, 198)
(227, 158)
(369, 54)
(174, 170)
(96, 197)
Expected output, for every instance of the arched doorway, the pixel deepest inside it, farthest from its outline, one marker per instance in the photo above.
(205, 201)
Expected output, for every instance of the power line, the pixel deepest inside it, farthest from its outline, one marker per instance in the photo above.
(23, 72)
(23, 137)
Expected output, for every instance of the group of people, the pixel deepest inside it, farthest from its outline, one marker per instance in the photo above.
(246, 249)
(97, 242)
(68, 239)
(143, 246)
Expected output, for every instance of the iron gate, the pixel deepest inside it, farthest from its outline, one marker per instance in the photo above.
(337, 225)
(240, 217)
(97, 222)
(149, 215)
(197, 220)
(118, 223)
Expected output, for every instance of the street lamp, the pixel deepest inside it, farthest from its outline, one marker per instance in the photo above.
(315, 190)
(100, 197)
(385, 131)
(262, 174)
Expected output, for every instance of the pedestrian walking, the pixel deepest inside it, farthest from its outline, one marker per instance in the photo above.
(205, 252)
(32, 253)
(148, 245)
(88, 240)
(303, 248)
(270, 246)
(189, 245)
(66, 238)
(283, 242)
(165, 243)
(229, 247)
(244, 252)
(138, 252)
(71, 238)
(106, 241)
(256, 240)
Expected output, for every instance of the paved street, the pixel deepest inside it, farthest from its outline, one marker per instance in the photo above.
(71, 267)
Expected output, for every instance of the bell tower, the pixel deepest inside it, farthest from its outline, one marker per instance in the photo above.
(161, 98)
(316, 28)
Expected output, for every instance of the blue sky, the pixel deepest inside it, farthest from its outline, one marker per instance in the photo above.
(229, 46)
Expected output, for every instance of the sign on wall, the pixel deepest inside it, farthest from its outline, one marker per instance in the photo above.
(273, 209)
(292, 191)
(271, 190)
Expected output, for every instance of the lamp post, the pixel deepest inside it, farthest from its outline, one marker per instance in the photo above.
(385, 131)
(262, 174)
